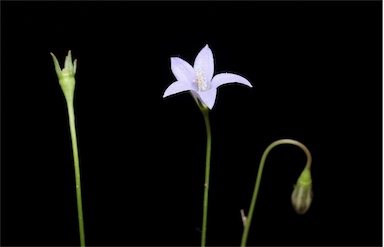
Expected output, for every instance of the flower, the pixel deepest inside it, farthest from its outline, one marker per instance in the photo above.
(199, 79)
(302, 193)
(66, 75)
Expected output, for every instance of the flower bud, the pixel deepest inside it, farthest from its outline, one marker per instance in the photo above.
(302, 193)
(66, 75)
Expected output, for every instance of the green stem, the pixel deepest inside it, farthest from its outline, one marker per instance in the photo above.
(258, 179)
(205, 112)
(72, 126)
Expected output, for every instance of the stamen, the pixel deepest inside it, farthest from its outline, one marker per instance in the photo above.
(201, 80)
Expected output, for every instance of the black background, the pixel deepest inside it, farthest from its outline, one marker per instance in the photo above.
(316, 68)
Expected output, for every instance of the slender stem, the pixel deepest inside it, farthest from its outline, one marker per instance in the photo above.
(72, 126)
(205, 112)
(258, 179)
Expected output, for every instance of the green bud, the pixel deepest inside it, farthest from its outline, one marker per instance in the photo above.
(66, 75)
(302, 193)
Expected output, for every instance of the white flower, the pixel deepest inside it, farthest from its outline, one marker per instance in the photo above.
(199, 79)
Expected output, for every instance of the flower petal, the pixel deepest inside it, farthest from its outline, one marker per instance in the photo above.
(208, 97)
(224, 78)
(183, 71)
(177, 87)
(204, 61)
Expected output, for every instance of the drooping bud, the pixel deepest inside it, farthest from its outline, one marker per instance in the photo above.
(302, 193)
(66, 75)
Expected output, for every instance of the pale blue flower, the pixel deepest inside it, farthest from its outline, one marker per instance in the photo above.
(199, 79)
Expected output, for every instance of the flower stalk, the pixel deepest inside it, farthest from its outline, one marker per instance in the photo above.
(67, 82)
(205, 112)
(305, 177)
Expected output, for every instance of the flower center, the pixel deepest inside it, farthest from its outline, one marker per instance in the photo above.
(201, 80)
(64, 71)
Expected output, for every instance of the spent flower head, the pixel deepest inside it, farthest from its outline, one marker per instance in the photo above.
(66, 75)
(199, 79)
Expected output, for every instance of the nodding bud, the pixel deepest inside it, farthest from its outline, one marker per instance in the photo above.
(302, 193)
